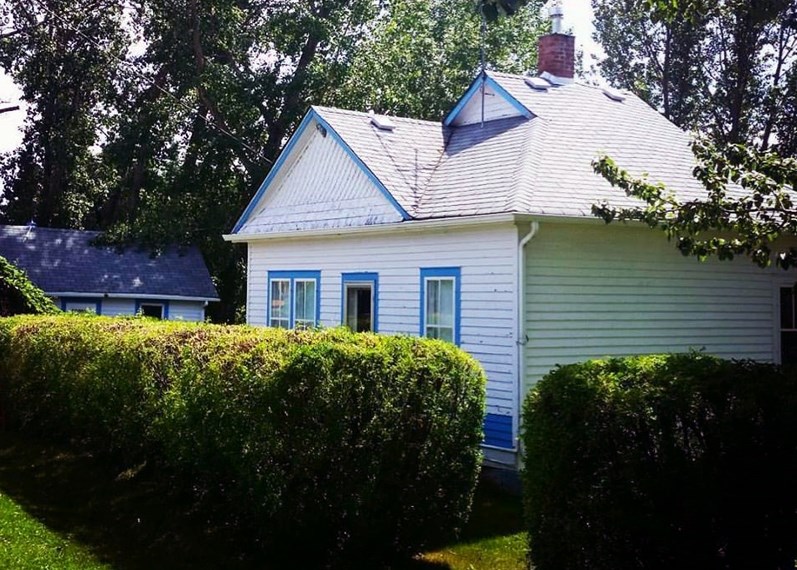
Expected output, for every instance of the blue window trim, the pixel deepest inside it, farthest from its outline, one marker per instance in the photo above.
(311, 116)
(292, 276)
(363, 277)
(163, 302)
(96, 300)
(456, 273)
(488, 81)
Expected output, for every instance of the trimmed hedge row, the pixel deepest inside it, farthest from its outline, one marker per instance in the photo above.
(352, 446)
(679, 461)
(18, 295)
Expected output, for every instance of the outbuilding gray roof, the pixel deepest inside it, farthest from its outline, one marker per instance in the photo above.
(538, 165)
(65, 261)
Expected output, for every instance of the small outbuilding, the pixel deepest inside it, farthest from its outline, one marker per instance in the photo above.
(81, 276)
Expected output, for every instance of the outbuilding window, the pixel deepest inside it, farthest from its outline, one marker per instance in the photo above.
(440, 303)
(294, 299)
(152, 309)
(82, 305)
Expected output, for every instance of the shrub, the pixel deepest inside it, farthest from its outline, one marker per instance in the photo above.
(18, 295)
(354, 446)
(680, 461)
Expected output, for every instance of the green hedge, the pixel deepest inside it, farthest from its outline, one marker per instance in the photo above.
(353, 446)
(18, 295)
(679, 461)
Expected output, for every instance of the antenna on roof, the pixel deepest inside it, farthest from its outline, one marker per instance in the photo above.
(30, 226)
(482, 55)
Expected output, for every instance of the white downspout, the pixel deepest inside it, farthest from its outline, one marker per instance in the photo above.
(521, 321)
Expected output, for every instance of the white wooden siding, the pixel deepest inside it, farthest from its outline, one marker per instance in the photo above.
(322, 187)
(486, 256)
(113, 307)
(595, 291)
(186, 311)
(495, 107)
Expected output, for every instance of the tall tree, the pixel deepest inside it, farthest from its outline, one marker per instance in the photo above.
(720, 67)
(422, 55)
(749, 206)
(52, 176)
(179, 108)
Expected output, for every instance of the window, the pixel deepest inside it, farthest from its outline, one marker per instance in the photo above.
(359, 306)
(81, 305)
(280, 304)
(153, 309)
(440, 303)
(788, 326)
(294, 298)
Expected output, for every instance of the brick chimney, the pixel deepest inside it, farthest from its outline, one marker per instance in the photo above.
(556, 53)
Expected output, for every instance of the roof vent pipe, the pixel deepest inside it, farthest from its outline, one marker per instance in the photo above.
(556, 13)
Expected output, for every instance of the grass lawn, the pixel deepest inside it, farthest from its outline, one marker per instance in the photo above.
(63, 510)
(493, 538)
(26, 543)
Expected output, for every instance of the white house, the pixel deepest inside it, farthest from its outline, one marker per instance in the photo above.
(478, 230)
(80, 276)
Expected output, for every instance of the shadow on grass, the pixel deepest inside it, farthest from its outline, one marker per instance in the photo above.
(130, 520)
(135, 521)
(495, 513)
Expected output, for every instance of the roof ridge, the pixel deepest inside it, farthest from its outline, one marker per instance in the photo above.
(364, 114)
(526, 75)
(531, 162)
(448, 132)
(520, 169)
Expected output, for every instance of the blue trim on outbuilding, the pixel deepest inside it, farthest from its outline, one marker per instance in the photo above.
(362, 277)
(311, 115)
(498, 431)
(456, 274)
(162, 302)
(486, 80)
(292, 276)
(96, 300)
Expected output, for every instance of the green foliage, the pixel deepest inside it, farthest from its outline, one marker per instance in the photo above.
(660, 462)
(367, 444)
(158, 120)
(726, 68)
(724, 224)
(54, 177)
(18, 295)
(423, 54)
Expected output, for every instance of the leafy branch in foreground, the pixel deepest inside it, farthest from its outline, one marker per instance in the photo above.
(749, 205)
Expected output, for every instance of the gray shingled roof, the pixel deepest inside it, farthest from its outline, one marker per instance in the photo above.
(541, 165)
(402, 159)
(61, 261)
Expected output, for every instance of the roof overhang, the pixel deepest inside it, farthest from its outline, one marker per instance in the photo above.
(97, 294)
(407, 226)
(432, 224)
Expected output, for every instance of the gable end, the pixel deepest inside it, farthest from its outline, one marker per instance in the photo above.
(508, 101)
(313, 117)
